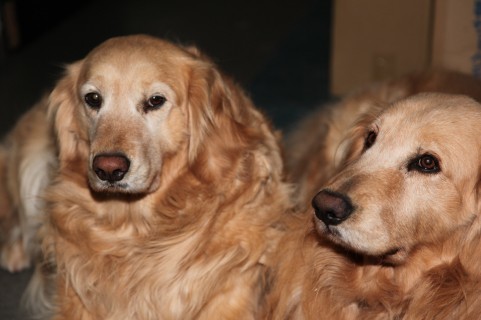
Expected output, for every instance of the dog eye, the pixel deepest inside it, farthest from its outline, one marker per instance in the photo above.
(370, 139)
(425, 163)
(154, 102)
(93, 100)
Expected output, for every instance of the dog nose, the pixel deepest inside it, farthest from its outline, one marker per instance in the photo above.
(111, 167)
(331, 207)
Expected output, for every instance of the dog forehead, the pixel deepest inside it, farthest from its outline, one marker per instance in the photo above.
(123, 67)
(110, 71)
(137, 58)
(445, 125)
(137, 47)
(433, 114)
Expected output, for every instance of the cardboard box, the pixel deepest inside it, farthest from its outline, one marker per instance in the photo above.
(457, 24)
(377, 39)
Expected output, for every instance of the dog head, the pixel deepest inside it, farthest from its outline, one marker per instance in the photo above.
(134, 103)
(413, 182)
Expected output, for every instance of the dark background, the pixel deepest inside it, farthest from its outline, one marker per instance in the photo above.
(277, 50)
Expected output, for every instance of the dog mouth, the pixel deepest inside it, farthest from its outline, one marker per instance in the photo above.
(110, 187)
(391, 252)
(393, 256)
(125, 186)
(111, 172)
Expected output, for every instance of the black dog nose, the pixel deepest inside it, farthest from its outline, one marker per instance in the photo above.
(111, 167)
(331, 207)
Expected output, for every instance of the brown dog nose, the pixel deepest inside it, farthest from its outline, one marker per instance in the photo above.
(331, 207)
(111, 167)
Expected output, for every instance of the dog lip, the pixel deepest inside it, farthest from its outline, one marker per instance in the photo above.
(110, 187)
(391, 252)
(394, 256)
(327, 230)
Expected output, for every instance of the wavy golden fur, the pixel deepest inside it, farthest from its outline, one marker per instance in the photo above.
(189, 228)
(397, 231)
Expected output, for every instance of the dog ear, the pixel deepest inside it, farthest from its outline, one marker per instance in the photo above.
(65, 116)
(200, 110)
(193, 50)
(223, 122)
(198, 54)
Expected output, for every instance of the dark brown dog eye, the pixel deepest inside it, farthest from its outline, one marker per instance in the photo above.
(93, 100)
(370, 139)
(425, 163)
(155, 102)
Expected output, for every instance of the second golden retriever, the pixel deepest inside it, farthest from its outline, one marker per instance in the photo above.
(169, 189)
(397, 232)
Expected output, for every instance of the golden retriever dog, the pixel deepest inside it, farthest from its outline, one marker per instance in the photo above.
(168, 192)
(397, 232)
(316, 145)
(27, 156)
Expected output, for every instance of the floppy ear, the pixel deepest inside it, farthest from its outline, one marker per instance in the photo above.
(199, 55)
(222, 122)
(199, 109)
(193, 50)
(64, 113)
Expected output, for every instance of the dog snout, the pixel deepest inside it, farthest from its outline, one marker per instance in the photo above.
(331, 207)
(111, 167)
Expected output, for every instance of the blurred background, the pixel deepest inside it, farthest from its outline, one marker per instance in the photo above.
(277, 50)
(291, 56)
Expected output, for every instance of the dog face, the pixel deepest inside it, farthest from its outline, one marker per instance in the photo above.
(131, 109)
(413, 183)
(132, 103)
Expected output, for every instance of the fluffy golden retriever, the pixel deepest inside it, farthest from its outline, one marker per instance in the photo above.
(397, 232)
(168, 192)
(316, 146)
(27, 156)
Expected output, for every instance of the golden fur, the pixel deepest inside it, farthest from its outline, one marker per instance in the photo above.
(317, 144)
(397, 232)
(27, 156)
(189, 230)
